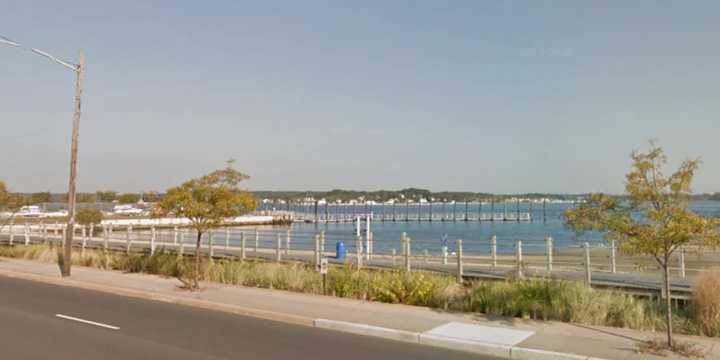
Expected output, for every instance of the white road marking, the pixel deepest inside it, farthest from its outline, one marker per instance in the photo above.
(87, 322)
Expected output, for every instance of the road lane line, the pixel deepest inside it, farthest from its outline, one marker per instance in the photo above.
(87, 322)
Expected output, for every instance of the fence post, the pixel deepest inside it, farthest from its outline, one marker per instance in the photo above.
(105, 238)
(445, 254)
(518, 258)
(278, 246)
(129, 238)
(459, 260)
(358, 250)
(182, 243)
(367, 237)
(64, 233)
(613, 263)
(175, 236)
(211, 247)
(152, 240)
(408, 250)
(316, 259)
(44, 232)
(55, 229)
(588, 273)
(92, 230)
(549, 253)
(242, 246)
(12, 232)
(682, 262)
(27, 234)
(227, 238)
(394, 254)
(84, 240)
(257, 241)
(322, 241)
(287, 242)
(493, 250)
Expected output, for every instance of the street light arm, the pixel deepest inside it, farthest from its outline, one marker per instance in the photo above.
(7, 41)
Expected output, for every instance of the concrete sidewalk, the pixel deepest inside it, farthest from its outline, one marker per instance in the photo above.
(504, 337)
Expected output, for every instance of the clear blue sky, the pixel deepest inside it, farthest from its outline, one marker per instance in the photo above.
(498, 96)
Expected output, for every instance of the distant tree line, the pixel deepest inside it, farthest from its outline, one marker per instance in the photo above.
(412, 194)
(89, 198)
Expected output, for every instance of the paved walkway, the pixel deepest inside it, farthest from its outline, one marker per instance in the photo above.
(601, 342)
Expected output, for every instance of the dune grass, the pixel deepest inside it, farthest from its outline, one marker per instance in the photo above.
(531, 298)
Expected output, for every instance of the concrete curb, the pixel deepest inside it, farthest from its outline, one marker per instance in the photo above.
(501, 351)
(507, 352)
(367, 330)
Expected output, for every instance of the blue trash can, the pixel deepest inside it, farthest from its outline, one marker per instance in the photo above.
(340, 251)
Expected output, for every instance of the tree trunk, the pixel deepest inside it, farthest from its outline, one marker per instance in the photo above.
(196, 276)
(668, 300)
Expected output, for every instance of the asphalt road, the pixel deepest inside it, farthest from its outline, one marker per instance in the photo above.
(31, 329)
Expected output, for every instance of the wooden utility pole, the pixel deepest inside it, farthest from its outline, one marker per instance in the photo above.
(67, 253)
